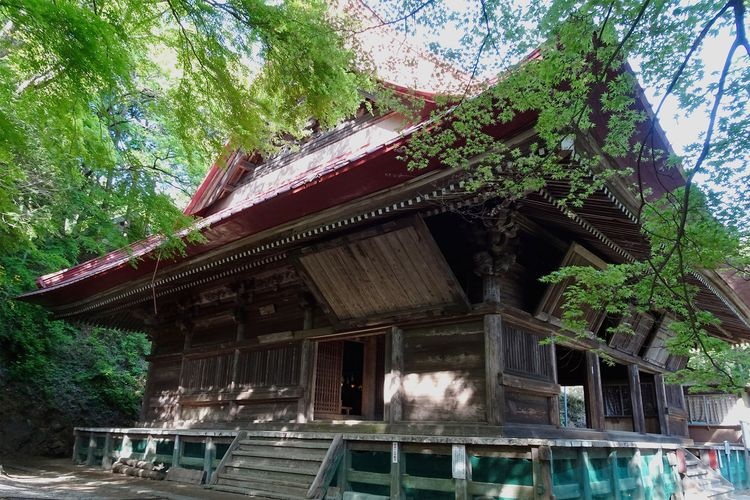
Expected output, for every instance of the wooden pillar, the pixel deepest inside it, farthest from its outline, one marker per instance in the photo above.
(186, 327)
(342, 481)
(306, 404)
(494, 365)
(393, 380)
(594, 396)
(583, 471)
(614, 478)
(208, 458)
(397, 471)
(176, 451)
(90, 451)
(368, 378)
(661, 404)
(461, 471)
(107, 455)
(636, 399)
(145, 404)
(241, 322)
(541, 459)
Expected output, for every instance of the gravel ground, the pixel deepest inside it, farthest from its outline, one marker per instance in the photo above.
(62, 479)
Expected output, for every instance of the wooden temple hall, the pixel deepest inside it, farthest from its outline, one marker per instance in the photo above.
(353, 329)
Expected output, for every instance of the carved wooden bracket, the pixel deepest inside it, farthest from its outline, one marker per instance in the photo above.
(498, 236)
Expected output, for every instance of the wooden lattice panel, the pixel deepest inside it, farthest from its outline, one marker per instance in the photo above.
(525, 356)
(328, 378)
(273, 366)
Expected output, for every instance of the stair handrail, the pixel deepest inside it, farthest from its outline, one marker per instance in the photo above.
(327, 467)
(233, 446)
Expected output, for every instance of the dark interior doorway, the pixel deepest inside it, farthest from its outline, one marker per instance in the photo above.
(349, 378)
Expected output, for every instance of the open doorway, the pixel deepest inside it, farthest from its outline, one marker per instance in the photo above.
(571, 375)
(349, 378)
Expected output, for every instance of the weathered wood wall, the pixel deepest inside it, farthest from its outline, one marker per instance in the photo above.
(444, 373)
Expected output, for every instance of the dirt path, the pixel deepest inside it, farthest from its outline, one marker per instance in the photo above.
(61, 479)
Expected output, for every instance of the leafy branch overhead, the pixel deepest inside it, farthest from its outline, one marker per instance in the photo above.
(575, 67)
(110, 114)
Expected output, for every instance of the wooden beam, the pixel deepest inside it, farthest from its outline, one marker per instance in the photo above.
(494, 365)
(661, 404)
(594, 396)
(327, 468)
(636, 399)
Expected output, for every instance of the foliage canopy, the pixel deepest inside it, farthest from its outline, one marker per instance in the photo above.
(580, 49)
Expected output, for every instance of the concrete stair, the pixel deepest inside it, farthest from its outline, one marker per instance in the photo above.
(274, 468)
(700, 481)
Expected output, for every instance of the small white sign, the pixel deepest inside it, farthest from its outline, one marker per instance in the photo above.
(459, 461)
(394, 453)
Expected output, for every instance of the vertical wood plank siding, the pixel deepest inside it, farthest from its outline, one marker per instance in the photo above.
(444, 375)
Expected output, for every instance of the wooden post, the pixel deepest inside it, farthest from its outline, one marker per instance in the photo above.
(583, 470)
(594, 399)
(393, 382)
(661, 404)
(346, 463)
(208, 458)
(494, 365)
(541, 456)
(76, 445)
(306, 404)
(614, 478)
(634, 379)
(397, 470)
(186, 327)
(147, 392)
(239, 319)
(634, 469)
(107, 456)
(176, 451)
(461, 474)
(90, 451)
(150, 449)
(368, 378)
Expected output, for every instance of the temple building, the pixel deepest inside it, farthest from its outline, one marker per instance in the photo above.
(350, 328)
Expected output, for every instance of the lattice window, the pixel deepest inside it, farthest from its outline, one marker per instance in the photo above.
(711, 408)
(524, 355)
(272, 366)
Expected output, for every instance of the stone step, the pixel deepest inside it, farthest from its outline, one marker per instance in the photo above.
(275, 464)
(265, 475)
(287, 443)
(315, 454)
(278, 487)
(253, 493)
